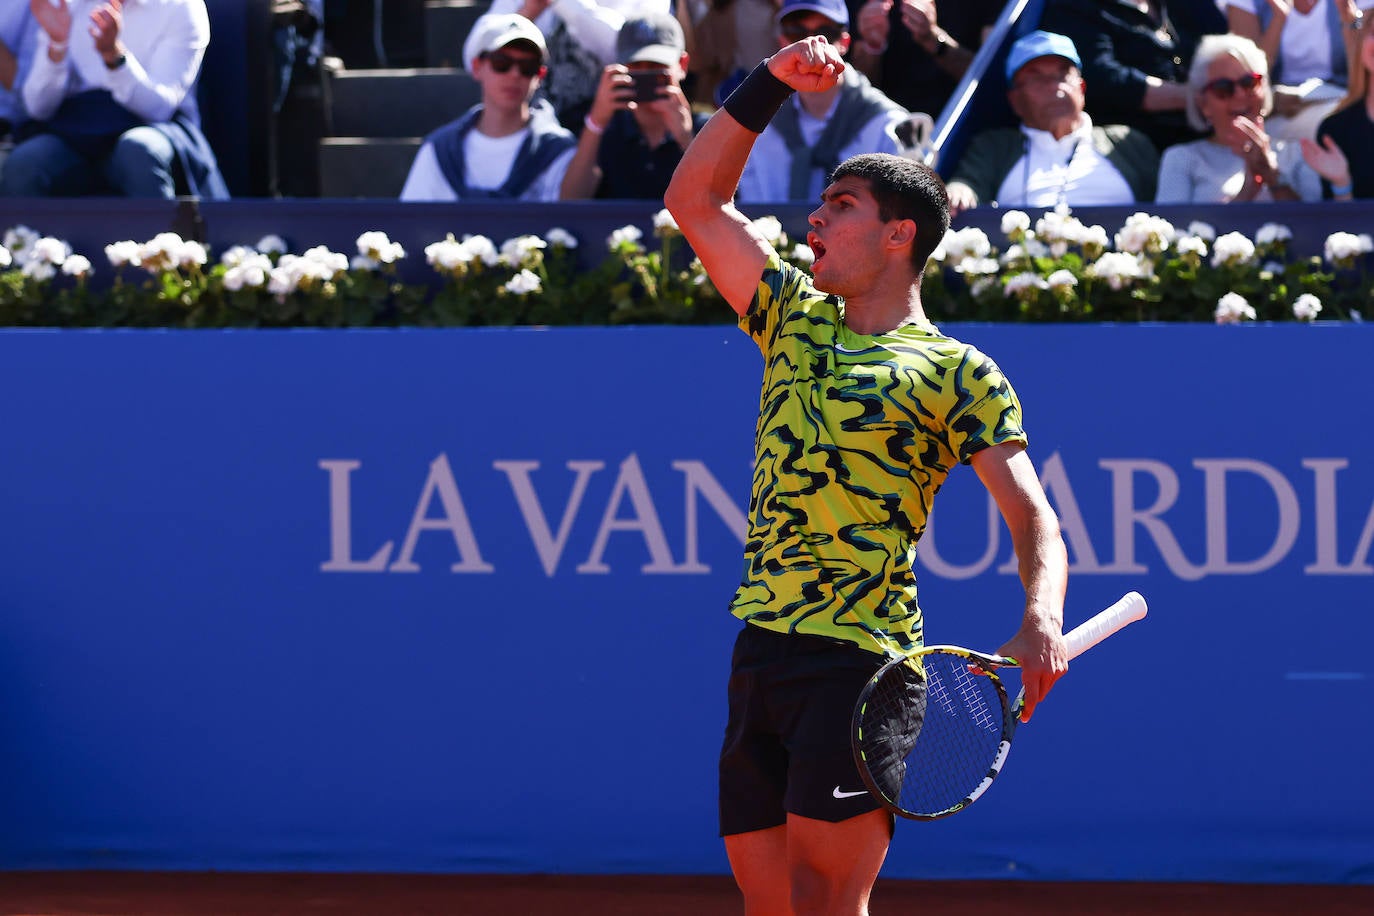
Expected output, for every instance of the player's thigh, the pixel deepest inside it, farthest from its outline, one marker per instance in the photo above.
(758, 860)
(833, 864)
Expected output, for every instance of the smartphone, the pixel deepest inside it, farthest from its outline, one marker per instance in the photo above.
(648, 84)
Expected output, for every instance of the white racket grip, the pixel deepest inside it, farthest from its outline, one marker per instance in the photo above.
(1083, 637)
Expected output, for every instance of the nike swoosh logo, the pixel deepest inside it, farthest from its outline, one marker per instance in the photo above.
(838, 794)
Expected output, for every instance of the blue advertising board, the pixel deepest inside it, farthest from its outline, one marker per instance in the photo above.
(454, 600)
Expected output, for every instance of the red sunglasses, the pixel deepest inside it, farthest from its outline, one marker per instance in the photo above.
(1225, 87)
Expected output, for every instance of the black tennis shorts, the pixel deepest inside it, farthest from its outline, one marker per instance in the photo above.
(787, 746)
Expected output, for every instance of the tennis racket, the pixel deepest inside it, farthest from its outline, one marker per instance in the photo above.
(932, 731)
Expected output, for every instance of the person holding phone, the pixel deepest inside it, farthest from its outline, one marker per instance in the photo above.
(640, 121)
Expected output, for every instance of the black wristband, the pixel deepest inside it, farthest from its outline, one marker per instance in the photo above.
(757, 99)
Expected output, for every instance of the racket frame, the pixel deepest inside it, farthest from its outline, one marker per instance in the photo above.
(1128, 609)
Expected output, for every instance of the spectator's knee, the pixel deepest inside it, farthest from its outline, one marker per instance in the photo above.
(27, 171)
(141, 164)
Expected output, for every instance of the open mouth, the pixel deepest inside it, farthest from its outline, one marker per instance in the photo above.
(817, 248)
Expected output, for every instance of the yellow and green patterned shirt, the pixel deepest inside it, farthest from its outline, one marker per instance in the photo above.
(856, 434)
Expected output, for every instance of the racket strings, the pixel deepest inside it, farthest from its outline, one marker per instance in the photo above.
(929, 739)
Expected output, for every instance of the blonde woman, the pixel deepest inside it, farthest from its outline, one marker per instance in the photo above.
(1229, 95)
(1349, 129)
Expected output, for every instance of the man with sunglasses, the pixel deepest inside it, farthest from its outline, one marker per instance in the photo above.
(1057, 157)
(816, 131)
(507, 146)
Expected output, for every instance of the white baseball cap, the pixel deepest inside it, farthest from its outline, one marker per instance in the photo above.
(496, 30)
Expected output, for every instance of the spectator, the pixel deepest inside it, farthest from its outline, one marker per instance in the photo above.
(111, 97)
(629, 146)
(815, 131)
(18, 37)
(1057, 156)
(731, 37)
(580, 36)
(1309, 45)
(1135, 58)
(1229, 93)
(504, 146)
(916, 51)
(1346, 171)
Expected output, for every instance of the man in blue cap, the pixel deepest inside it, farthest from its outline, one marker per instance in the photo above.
(816, 131)
(1057, 157)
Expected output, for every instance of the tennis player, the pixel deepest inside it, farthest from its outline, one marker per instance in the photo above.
(865, 409)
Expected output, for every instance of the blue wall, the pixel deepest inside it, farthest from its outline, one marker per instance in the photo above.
(275, 601)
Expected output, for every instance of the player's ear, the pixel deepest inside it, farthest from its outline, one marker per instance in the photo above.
(901, 233)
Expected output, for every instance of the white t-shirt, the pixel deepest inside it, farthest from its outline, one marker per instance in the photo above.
(1305, 49)
(489, 160)
(1069, 170)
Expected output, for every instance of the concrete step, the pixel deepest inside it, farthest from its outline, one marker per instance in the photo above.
(365, 166)
(447, 23)
(399, 103)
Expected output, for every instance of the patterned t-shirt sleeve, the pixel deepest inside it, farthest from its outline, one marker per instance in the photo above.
(985, 411)
(777, 289)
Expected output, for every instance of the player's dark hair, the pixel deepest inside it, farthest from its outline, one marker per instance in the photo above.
(904, 189)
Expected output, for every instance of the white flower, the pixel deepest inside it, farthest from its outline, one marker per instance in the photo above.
(803, 254)
(363, 262)
(284, 279)
(1271, 234)
(1025, 285)
(1145, 234)
(77, 265)
(664, 222)
(1232, 250)
(6, 259)
(39, 270)
(1306, 307)
(322, 263)
(162, 252)
(448, 255)
(1061, 280)
(380, 249)
(122, 253)
(970, 242)
(237, 255)
(481, 248)
(250, 274)
(561, 238)
(1094, 241)
(1205, 231)
(770, 227)
(1014, 224)
(976, 267)
(521, 249)
(524, 282)
(1233, 309)
(271, 244)
(1118, 268)
(49, 250)
(18, 240)
(1342, 248)
(1192, 245)
(191, 254)
(624, 238)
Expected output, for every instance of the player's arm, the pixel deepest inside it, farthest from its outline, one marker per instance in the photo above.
(701, 193)
(1008, 474)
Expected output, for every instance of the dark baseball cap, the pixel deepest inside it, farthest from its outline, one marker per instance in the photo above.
(653, 37)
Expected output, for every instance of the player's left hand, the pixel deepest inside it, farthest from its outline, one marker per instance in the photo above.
(809, 65)
(1044, 657)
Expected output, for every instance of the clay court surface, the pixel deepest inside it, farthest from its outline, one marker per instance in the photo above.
(221, 894)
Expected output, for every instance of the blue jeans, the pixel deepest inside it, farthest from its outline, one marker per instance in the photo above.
(142, 164)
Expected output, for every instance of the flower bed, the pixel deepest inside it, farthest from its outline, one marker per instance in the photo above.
(1056, 269)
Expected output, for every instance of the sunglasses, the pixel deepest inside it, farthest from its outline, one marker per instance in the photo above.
(796, 31)
(1224, 88)
(501, 62)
